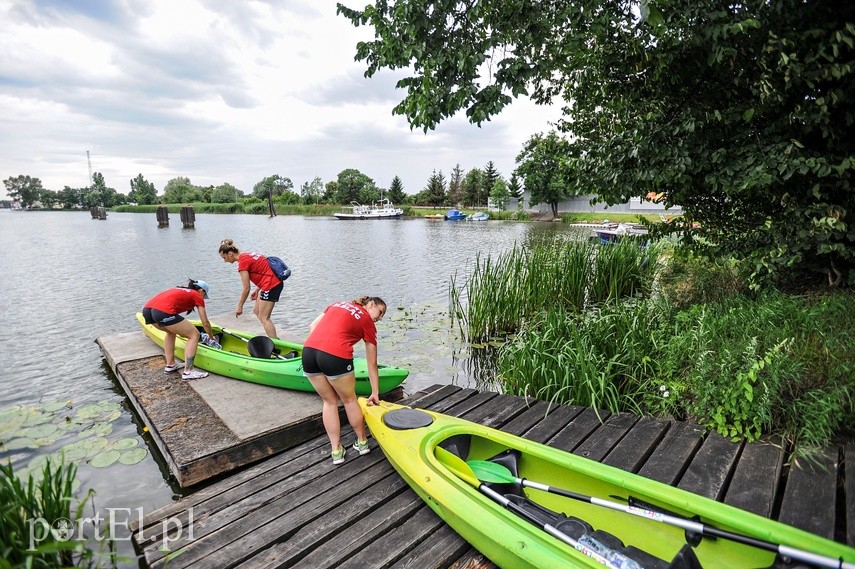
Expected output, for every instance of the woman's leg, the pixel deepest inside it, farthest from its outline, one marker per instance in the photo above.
(345, 388)
(186, 330)
(332, 425)
(263, 309)
(168, 345)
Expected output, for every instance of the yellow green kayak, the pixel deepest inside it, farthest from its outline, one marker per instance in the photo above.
(281, 366)
(527, 505)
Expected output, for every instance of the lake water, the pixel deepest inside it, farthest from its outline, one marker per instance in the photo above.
(68, 279)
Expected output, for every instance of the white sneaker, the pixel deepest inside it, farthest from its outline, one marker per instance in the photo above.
(193, 374)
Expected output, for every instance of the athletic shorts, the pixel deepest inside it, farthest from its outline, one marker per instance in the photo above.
(155, 316)
(317, 362)
(271, 295)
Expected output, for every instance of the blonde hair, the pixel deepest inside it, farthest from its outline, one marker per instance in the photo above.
(228, 246)
(363, 300)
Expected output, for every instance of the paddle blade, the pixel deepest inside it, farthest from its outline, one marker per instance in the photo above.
(456, 465)
(487, 471)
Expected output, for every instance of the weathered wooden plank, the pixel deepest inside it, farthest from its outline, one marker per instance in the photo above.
(810, 493)
(471, 403)
(447, 402)
(365, 518)
(404, 537)
(578, 429)
(557, 419)
(638, 444)
(432, 396)
(710, 469)
(473, 560)
(442, 549)
(849, 493)
(497, 411)
(244, 528)
(602, 440)
(673, 454)
(531, 416)
(756, 478)
(233, 489)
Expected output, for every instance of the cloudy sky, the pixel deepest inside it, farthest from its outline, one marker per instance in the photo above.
(217, 91)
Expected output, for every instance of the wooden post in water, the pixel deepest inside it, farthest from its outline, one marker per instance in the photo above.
(98, 212)
(93, 211)
(188, 217)
(162, 216)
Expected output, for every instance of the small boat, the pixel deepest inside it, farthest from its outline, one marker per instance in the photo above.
(478, 216)
(527, 505)
(379, 210)
(259, 359)
(454, 215)
(612, 232)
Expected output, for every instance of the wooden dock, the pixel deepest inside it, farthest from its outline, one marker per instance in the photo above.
(296, 509)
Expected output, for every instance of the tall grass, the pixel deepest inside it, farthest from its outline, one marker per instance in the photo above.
(503, 292)
(50, 498)
(745, 366)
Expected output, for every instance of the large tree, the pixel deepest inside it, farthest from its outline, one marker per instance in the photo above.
(455, 185)
(23, 189)
(396, 191)
(352, 185)
(547, 165)
(740, 112)
(142, 191)
(435, 193)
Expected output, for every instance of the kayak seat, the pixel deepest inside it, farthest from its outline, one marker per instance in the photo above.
(260, 347)
(510, 460)
(457, 445)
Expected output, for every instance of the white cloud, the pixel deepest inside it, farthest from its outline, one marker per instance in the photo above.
(218, 92)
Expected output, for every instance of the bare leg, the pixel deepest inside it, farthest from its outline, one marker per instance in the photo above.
(332, 425)
(345, 387)
(263, 309)
(169, 347)
(187, 330)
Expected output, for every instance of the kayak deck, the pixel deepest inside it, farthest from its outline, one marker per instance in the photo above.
(296, 500)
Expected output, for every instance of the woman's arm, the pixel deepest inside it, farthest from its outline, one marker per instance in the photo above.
(244, 277)
(373, 374)
(206, 324)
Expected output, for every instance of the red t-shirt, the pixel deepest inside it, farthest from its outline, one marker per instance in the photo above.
(176, 300)
(260, 273)
(343, 325)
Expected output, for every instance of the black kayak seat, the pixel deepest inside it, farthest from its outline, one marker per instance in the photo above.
(260, 347)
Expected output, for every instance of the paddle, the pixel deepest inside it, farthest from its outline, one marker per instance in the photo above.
(462, 470)
(487, 471)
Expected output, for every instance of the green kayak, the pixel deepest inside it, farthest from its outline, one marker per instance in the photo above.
(527, 505)
(282, 368)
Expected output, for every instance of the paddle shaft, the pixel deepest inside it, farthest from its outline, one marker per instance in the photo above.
(551, 530)
(697, 527)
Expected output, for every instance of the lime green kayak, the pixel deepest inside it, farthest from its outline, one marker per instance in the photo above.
(284, 367)
(527, 505)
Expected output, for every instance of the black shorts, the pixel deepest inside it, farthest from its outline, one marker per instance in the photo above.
(317, 362)
(271, 295)
(155, 316)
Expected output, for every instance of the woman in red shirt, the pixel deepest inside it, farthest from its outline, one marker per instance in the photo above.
(328, 364)
(254, 268)
(164, 312)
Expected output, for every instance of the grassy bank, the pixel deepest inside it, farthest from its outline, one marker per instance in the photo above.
(597, 326)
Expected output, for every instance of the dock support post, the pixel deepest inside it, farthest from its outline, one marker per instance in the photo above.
(162, 216)
(188, 217)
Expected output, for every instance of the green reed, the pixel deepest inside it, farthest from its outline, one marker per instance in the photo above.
(48, 496)
(503, 292)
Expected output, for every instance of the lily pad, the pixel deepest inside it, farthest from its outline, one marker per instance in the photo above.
(106, 458)
(19, 443)
(54, 406)
(124, 444)
(133, 456)
(39, 431)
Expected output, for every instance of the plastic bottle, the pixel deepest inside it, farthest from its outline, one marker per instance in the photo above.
(616, 559)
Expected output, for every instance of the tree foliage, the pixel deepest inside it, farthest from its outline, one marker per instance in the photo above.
(473, 188)
(396, 191)
(23, 189)
(351, 186)
(739, 112)
(435, 193)
(547, 165)
(142, 191)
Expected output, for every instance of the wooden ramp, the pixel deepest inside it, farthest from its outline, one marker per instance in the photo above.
(298, 510)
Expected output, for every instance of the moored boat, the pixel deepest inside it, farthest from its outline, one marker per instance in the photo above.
(454, 215)
(276, 363)
(479, 216)
(380, 210)
(527, 505)
(611, 232)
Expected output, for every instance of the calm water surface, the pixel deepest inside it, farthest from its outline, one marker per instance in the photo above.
(68, 279)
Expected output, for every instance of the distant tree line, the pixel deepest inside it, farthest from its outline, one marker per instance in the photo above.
(469, 189)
